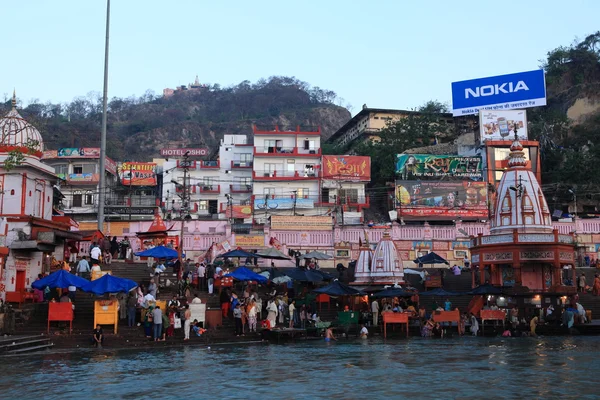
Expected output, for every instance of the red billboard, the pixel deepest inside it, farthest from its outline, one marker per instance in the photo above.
(441, 199)
(137, 174)
(347, 168)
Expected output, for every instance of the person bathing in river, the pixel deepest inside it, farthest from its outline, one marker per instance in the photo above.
(474, 325)
(329, 335)
(364, 333)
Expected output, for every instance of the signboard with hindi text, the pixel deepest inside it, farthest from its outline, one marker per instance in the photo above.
(249, 241)
(137, 174)
(431, 167)
(299, 223)
(347, 168)
(441, 199)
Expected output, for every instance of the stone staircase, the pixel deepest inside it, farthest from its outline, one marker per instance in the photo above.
(24, 344)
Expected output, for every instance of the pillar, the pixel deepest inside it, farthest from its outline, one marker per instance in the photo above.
(518, 277)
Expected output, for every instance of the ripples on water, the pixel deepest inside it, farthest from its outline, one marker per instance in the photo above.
(466, 368)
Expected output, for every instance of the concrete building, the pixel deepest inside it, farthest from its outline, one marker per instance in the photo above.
(31, 239)
(216, 188)
(78, 170)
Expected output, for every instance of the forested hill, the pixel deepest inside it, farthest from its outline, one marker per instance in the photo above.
(139, 127)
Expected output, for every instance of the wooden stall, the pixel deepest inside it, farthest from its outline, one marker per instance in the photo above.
(99, 274)
(446, 316)
(106, 312)
(491, 315)
(60, 312)
(394, 318)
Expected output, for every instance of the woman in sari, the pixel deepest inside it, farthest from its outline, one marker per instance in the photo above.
(148, 321)
(272, 315)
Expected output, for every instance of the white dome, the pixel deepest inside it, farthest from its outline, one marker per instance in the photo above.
(386, 265)
(362, 271)
(520, 202)
(15, 131)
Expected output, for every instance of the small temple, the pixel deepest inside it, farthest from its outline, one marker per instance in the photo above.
(522, 253)
(380, 267)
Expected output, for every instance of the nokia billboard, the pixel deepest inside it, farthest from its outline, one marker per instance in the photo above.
(504, 92)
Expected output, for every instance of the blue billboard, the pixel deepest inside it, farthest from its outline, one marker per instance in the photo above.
(504, 92)
(283, 203)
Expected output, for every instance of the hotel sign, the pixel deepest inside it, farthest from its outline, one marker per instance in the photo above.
(182, 152)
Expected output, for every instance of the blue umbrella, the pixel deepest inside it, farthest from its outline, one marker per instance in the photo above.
(485, 289)
(431, 258)
(244, 274)
(237, 253)
(60, 279)
(158, 252)
(109, 284)
(304, 275)
(393, 292)
(440, 292)
(337, 288)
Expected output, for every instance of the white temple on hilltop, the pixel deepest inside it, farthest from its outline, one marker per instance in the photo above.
(381, 267)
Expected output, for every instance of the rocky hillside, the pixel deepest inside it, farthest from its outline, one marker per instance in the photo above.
(139, 127)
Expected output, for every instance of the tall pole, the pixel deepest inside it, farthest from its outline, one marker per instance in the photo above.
(130, 179)
(184, 207)
(102, 193)
(295, 197)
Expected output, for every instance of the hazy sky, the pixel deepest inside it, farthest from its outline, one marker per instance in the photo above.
(389, 54)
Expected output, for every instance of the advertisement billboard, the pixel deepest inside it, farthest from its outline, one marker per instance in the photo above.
(347, 168)
(181, 152)
(249, 241)
(427, 166)
(504, 92)
(110, 165)
(441, 199)
(237, 211)
(285, 203)
(137, 174)
(500, 125)
(79, 152)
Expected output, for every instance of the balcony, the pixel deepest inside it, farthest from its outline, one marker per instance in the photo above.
(209, 189)
(277, 130)
(210, 164)
(235, 164)
(347, 203)
(286, 152)
(285, 175)
(240, 188)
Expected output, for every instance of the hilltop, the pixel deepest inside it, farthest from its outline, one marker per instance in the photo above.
(139, 127)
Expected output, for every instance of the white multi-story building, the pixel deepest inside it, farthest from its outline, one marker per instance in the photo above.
(216, 188)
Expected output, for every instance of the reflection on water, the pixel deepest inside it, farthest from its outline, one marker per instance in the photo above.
(469, 368)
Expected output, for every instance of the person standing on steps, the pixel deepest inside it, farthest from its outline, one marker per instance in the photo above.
(187, 323)
(375, 311)
(131, 308)
(157, 319)
(581, 283)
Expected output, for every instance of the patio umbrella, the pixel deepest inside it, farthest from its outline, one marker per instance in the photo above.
(485, 289)
(304, 275)
(273, 254)
(324, 275)
(60, 279)
(431, 258)
(158, 252)
(317, 255)
(393, 292)
(337, 288)
(440, 292)
(239, 253)
(109, 284)
(244, 274)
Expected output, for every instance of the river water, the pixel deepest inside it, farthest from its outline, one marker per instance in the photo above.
(465, 368)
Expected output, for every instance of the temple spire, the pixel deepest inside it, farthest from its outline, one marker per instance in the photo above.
(516, 156)
(14, 99)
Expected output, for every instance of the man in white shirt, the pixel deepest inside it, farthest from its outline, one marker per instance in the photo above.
(196, 300)
(364, 333)
(95, 254)
(201, 275)
(160, 268)
(375, 311)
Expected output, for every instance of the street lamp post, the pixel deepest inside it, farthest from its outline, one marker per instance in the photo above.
(102, 192)
(574, 203)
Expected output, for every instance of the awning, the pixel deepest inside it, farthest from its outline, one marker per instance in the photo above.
(68, 235)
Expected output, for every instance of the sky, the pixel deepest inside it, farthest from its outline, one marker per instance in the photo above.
(386, 54)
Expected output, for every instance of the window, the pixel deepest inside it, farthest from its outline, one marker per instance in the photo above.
(269, 191)
(309, 145)
(61, 169)
(270, 169)
(203, 205)
(246, 157)
(89, 198)
(325, 195)
(246, 181)
(78, 169)
(207, 182)
(84, 168)
(302, 193)
(291, 165)
(349, 196)
(77, 198)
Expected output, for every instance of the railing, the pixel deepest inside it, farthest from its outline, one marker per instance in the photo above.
(287, 151)
(282, 173)
(210, 164)
(240, 188)
(241, 164)
(135, 202)
(275, 129)
(210, 188)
